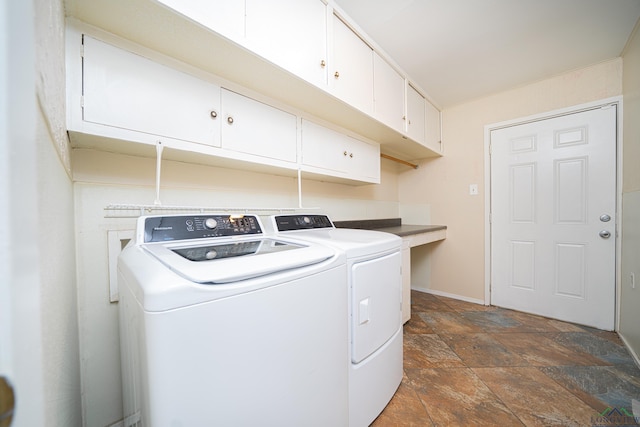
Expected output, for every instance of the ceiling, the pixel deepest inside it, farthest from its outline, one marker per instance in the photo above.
(458, 50)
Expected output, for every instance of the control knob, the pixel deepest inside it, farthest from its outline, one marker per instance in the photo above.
(212, 254)
(210, 223)
(306, 220)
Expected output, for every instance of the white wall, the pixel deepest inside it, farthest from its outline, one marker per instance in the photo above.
(102, 179)
(37, 218)
(443, 183)
(21, 357)
(55, 223)
(630, 297)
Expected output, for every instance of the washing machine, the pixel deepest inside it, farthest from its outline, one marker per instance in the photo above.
(222, 325)
(375, 309)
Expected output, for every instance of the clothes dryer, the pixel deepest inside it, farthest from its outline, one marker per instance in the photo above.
(375, 309)
(224, 326)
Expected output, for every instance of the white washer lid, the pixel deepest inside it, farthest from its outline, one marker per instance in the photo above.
(216, 261)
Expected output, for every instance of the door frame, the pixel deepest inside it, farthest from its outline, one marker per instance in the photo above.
(617, 100)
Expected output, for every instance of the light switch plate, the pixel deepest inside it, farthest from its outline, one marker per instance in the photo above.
(473, 189)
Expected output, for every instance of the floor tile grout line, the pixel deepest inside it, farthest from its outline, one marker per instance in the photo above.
(539, 368)
(498, 397)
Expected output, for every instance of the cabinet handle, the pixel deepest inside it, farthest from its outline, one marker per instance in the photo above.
(404, 118)
(345, 154)
(351, 155)
(336, 75)
(214, 114)
(230, 120)
(323, 63)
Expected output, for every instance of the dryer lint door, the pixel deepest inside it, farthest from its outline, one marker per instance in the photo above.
(376, 297)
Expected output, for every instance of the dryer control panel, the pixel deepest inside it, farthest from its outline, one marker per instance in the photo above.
(302, 222)
(184, 227)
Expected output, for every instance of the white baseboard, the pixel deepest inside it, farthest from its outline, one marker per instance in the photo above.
(448, 295)
(634, 355)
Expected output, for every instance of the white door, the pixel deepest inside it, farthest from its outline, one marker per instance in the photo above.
(388, 94)
(125, 90)
(255, 128)
(292, 34)
(416, 116)
(352, 68)
(553, 218)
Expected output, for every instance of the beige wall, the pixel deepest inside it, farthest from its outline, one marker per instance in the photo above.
(630, 297)
(457, 264)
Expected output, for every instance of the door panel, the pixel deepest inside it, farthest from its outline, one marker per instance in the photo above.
(376, 292)
(292, 34)
(256, 128)
(125, 90)
(551, 180)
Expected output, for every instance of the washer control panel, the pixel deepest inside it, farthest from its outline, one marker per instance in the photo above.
(302, 222)
(183, 227)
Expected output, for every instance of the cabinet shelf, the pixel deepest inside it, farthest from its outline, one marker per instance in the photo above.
(154, 26)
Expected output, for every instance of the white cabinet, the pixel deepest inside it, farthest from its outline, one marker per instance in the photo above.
(351, 74)
(416, 115)
(226, 17)
(123, 90)
(251, 127)
(291, 34)
(388, 94)
(433, 138)
(338, 154)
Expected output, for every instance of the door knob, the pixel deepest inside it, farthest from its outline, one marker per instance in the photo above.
(605, 218)
(7, 402)
(605, 234)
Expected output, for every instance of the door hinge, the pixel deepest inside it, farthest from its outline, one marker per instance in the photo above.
(82, 101)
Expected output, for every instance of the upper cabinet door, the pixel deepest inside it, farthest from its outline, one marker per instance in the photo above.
(351, 74)
(225, 17)
(339, 154)
(251, 127)
(125, 90)
(415, 115)
(291, 34)
(433, 139)
(388, 92)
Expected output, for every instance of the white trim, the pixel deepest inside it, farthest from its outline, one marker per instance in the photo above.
(115, 240)
(617, 100)
(449, 295)
(633, 354)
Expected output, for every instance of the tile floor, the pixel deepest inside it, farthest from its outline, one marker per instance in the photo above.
(470, 365)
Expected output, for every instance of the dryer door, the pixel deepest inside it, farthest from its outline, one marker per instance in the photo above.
(376, 300)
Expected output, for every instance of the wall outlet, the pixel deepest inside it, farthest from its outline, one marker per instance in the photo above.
(473, 189)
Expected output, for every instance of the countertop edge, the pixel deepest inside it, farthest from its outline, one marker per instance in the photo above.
(391, 225)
